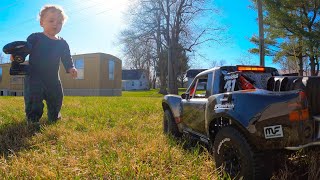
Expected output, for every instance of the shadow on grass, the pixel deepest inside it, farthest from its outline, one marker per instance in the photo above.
(303, 164)
(14, 137)
(189, 144)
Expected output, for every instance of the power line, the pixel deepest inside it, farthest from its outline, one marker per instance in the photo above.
(85, 8)
(32, 19)
(10, 5)
(14, 27)
(89, 18)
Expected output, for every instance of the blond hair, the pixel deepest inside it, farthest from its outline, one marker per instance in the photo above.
(52, 8)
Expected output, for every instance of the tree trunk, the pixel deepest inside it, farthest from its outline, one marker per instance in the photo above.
(154, 80)
(312, 62)
(161, 63)
(261, 33)
(317, 64)
(182, 82)
(163, 82)
(300, 58)
(174, 46)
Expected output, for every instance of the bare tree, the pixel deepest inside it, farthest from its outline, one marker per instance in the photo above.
(142, 41)
(179, 17)
(170, 27)
(245, 59)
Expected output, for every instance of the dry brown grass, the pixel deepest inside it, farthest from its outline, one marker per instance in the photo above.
(304, 165)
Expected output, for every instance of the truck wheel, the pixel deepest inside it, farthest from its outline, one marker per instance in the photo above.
(235, 156)
(169, 124)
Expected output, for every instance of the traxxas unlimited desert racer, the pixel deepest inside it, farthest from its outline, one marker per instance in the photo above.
(242, 112)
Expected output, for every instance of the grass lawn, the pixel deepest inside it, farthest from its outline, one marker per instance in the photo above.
(149, 93)
(138, 93)
(98, 137)
(110, 138)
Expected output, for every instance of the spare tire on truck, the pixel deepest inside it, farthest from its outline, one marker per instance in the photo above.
(310, 85)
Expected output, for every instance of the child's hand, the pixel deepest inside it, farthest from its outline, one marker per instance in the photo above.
(73, 72)
(11, 58)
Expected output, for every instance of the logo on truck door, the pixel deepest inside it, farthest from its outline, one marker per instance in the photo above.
(230, 82)
(273, 132)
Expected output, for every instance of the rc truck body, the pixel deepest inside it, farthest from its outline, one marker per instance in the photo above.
(242, 112)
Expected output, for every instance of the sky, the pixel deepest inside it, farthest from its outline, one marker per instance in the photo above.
(94, 26)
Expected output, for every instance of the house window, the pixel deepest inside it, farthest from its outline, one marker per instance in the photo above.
(132, 83)
(140, 83)
(111, 70)
(79, 64)
(0, 74)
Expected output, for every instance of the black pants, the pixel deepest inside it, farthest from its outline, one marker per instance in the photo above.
(37, 90)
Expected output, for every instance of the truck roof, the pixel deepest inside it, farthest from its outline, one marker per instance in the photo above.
(271, 70)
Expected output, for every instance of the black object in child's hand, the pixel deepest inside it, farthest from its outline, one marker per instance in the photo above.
(19, 50)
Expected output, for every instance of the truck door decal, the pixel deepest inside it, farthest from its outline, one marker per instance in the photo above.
(230, 82)
(273, 132)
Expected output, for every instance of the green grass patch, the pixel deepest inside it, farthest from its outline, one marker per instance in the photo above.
(142, 93)
(147, 93)
(98, 138)
(110, 138)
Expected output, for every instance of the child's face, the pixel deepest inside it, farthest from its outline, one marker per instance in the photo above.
(52, 23)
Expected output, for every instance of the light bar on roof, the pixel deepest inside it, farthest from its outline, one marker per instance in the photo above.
(251, 68)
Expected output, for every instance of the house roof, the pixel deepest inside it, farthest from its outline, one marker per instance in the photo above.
(100, 55)
(191, 73)
(132, 74)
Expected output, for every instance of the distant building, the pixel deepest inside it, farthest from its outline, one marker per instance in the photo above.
(99, 74)
(10, 85)
(191, 74)
(135, 79)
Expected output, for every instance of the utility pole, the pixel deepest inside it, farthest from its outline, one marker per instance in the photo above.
(170, 68)
(261, 33)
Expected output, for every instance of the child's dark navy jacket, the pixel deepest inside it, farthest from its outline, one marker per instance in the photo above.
(45, 56)
(43, 81)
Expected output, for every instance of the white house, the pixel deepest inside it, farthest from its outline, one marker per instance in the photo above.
(134, 79)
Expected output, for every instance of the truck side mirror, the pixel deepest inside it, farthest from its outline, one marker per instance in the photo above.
(185, 96)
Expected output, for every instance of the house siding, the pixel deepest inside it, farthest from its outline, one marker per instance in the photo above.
(4, 83)
(10, 85)
(105, 82)
(91, 74)
(96, 77)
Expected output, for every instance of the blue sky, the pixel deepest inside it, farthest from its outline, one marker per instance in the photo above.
(93, 26)
(241, 22)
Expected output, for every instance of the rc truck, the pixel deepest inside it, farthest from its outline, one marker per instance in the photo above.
(19, 50)
(245, 112)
